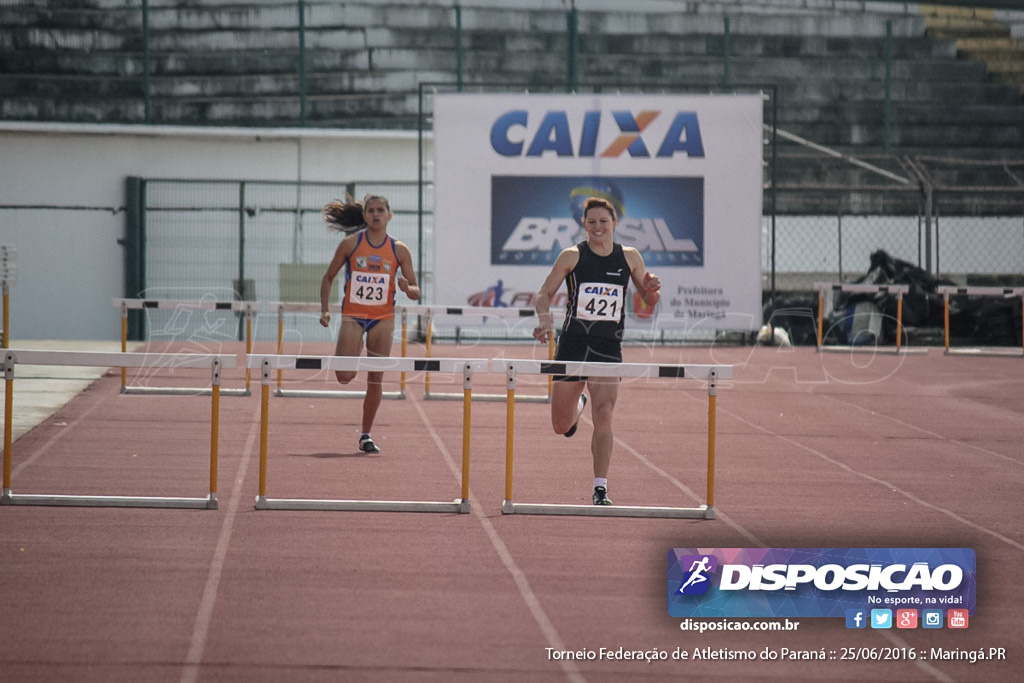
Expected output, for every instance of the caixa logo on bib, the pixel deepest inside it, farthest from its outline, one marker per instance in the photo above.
(817, 582)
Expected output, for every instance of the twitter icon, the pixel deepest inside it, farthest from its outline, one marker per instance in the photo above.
(881, 618)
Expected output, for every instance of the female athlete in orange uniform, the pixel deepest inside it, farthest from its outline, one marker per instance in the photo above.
(373, 259)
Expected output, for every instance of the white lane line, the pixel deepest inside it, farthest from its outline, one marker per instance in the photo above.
(924, 431)
(201, 630)
(522, 583)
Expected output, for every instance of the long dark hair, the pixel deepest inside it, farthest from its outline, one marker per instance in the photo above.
(347, 216)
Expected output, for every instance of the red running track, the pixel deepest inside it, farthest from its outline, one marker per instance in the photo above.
(814, 450)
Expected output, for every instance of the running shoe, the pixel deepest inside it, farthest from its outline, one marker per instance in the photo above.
(601, 496)
(366, 444)
(572, 430)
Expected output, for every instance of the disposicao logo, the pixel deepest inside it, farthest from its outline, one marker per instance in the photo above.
(818, 582)
(696, 580)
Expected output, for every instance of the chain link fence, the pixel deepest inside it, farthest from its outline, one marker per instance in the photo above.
(266, 241)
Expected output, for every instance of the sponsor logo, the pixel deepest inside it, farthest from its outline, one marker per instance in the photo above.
(600, 290)
(515, 133)
(908, 583)
(534, 218)
(370, 279)
(829, 577)
(931, 618)
(906, 618)
(696, 580)
(881, 618)
(957, 618)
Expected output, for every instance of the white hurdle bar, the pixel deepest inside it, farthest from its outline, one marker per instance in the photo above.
(1005, 292)
(861, 288)
(710, 373)
(430, 312)
(268, 364)
(284, 307)
(215, 362)
(249, 308)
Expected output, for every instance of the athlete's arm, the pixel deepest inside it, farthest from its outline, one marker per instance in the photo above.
(564, 264)
(341, 255)
(646, 283)
(407, 280)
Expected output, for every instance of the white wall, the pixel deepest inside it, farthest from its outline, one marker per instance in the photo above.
(70, 265)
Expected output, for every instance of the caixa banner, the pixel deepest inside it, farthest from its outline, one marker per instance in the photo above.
(817, 582)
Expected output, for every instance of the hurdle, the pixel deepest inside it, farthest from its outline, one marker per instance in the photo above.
(108, 359)
(284, 307)
(268, 364)
(8, 275)
(430, 312)
(862, 288)
(247, 307)
(512, 368)
(1007, 292)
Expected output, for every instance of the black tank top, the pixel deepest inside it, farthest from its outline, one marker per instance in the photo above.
(597, 294)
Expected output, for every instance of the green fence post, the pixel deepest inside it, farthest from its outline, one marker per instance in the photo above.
(726, 49)
(458, 45)
(147, 97)
(572, 38)
(134, 243)
(302, 63)
(888, 86)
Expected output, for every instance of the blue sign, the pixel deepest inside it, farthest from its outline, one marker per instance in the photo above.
(533, 218)
(862, 585)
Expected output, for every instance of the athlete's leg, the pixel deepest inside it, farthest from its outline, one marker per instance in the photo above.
(565, 409)
(378, 343)
(604, 391)
(350, 343)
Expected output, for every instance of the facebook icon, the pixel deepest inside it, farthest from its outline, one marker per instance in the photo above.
(856, 618)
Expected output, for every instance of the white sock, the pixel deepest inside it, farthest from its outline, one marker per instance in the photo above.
(600, 481)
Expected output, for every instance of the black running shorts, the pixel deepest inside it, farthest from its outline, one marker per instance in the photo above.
(575, 347)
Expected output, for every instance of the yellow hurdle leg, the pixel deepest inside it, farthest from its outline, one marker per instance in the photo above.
(551, 356)
(7, 315)
(8, 410)
(248, 348)
(214, 428)
(899, 321)
(405, 341)
(467, 401)
(264, 421)
(430, 333)
(945, 318)
(821, 316)
(711, 450)
(124, 344)
(510, 420)
(280, 343)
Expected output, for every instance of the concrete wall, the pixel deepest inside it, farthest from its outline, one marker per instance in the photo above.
(62, 198)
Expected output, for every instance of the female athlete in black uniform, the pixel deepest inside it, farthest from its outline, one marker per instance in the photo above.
(597, 273)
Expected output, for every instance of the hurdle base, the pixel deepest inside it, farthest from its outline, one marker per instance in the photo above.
(427, 396)
(993, 351)
(702, 512)
(325, 393)
(459, 505)
(890, 350)
(8, 498)
(183, 391)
